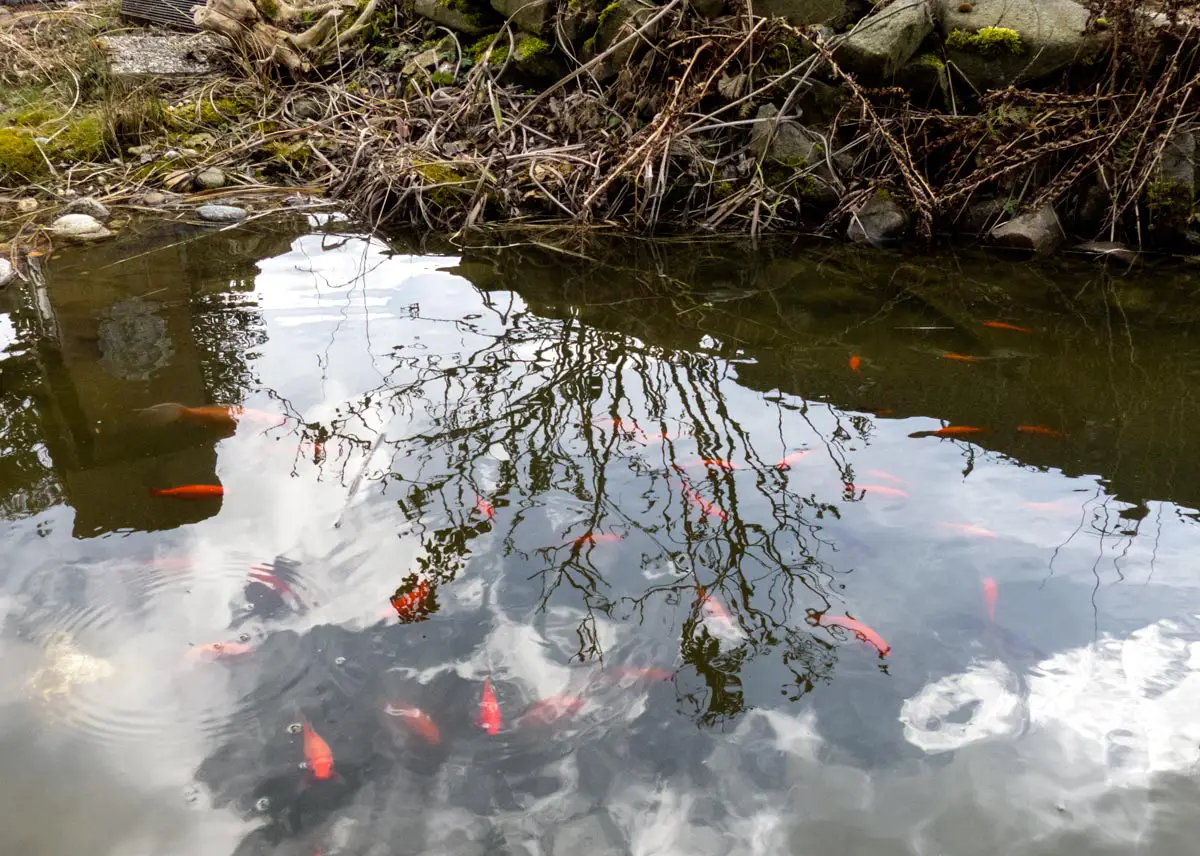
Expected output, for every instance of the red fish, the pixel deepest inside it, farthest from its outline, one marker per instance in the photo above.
(1004, 325)
(950, 431)
(411, 605)
(218, 416)
(786, 463)
(970, 529)
(415, 720)
(596, 538)
(317, 754)
(1056, 506)
(484, 507)
(707, 508)
(190, 491)
(1040, 430)
(962, 358)
(860, 630)
(855, 363)
(711, 462)
(989, 597)
(218, 650)
(489, 710)
(549, 710)
(880, 489)
(267, 576)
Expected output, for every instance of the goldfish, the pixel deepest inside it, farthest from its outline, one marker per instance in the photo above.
(882, 412)
(860, 630)
(880, 474)
(962, 358)
(266, 575)
(415, 720)
(711, 462)
(970, 529)
(1040, 430)
(950, 431)
(882, 490)
(549, 710)
(989, 597)
(855, 363)
(788, 460)
(484, 507)
(190, 491)
(596, 538)
(709, 509)
(218, 650)
(412, 604)
(217, 416)
(317, 754)
(1004, 325)
(721, 622)
(489, 710)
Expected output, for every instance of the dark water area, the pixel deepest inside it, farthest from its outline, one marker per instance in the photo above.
(679, 509)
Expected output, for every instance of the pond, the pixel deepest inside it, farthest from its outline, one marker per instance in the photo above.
(318, 542)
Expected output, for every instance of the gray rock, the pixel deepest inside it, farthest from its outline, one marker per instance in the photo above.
(1170, 196)
(307, 109)
(80, 227)
(88, 205)
(615, 23)
(7, 273)
(211, 179)
(800, 12)
(980, 216)
(881, 43)
(1053, 34)
(879, 221)
(785, 141)
(1037, 232)
(532, 16)
(154, 198)
(221, 213)
(465, 16)
(592, 835)
(27, 205)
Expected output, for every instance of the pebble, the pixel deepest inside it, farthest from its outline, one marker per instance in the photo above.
(89, 206)
(7, 274)
(27, 205)
(154, 198)
(211, 179)
(81, 227)
(221, 213)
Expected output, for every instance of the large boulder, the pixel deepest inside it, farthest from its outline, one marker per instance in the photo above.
(465, 16)
(532, 16)
(998, 42)
(800, 12)
(1037, 232)
(881, 43)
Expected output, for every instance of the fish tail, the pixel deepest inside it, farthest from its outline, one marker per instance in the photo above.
(163, 414)
(156, 491)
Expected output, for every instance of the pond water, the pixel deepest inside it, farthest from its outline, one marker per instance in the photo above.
(631, 548)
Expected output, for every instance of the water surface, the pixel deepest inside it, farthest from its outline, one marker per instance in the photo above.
(726, 603)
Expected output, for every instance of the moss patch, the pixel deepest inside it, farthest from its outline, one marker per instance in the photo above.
(208, 113)
(531, 47)
(19, 156)
(85, 139)
(988, 41)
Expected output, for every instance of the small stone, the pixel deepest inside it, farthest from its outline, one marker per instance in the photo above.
(879, 221)
(154, 198)
(140, 150)
(886, 39)
(190, 154)
(211, 179)
(221, 213)
(89, 206)
(80, 227)
(27, 205)
(1037, 232)
(980, 216)
(464, 17)
(7, 273)
(307, 109)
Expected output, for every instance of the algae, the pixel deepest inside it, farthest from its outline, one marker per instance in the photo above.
(987, 41)
(19, 156)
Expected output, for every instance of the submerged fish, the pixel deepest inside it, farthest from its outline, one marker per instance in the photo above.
(1004, 325)
(489, 718)
(989, 597)
(950, 431)
(318, 757)
(962, 358)
(64, 667)
(969, 529)
(596, 538)
(415, 720)
(218, 416)
(218, 650)
(550, 710)
(855, 363)
(860, 630)
(190, 491)
(882, 490)
(1040, 430)
(886, 476)
(412, 605)
(709, 509)
(788, 460)
(711, 462)
(484, 507)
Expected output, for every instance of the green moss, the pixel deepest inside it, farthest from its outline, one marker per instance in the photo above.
(784, 54)
(208, 113)
(883, 194)
(477, 51)
(441, 174)
(19, 156)
(589, 47)
(85, 139)
(442, 78)
(1102, 24)
(722, 189)
(988, 41)
(531, 47)
(292, 154)
(1169, 200)
(930, 60)
(609, 10)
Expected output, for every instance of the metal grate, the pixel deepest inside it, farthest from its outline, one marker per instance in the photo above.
(168, 13)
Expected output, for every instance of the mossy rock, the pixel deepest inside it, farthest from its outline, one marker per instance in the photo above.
(531, 16)
(473, 17)
(617, 21)
(20, 160)
(207, 113)
(85, 139)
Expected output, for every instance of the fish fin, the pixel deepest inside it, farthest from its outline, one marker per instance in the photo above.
(162, 414)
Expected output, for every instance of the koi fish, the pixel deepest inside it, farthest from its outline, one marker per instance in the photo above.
(1056, 506)
(855, 363)
(882, 490)
(317, 449)
(190, 491)
(1040, 430)
(882, 412)
(707, 508)
(411, 605)
(1004, 325)
(950, 431)
(317, 754)
(549, 710)
(217, 416)
(711, 462)
(880, 474)
(989, 597)
(484, 507)
(596, 538)
(860, 630)
(970, 529)
(788, 460)
(722, 624)
(489, 710)
(218, 650)
(266, 575)
(415, 720)
(962, 358)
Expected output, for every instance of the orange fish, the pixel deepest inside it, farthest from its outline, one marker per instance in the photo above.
(317, 754)
(1004, 325)
(596, 538)
(218, 416)
(218, 650)
(880, 489)
(411, 605)
(962, 358)
(855, 363)
(415, 720)
(786, 463)
(989, 597)
(484, 507)
(1056, 506)
(489, 710)
(709, 509)
(970, 529)
(880, 474)
(860, 630)
(950, 431)
(1040, 430)
(711, 462)
(883, 411)
(190, 491)
(547, 711)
